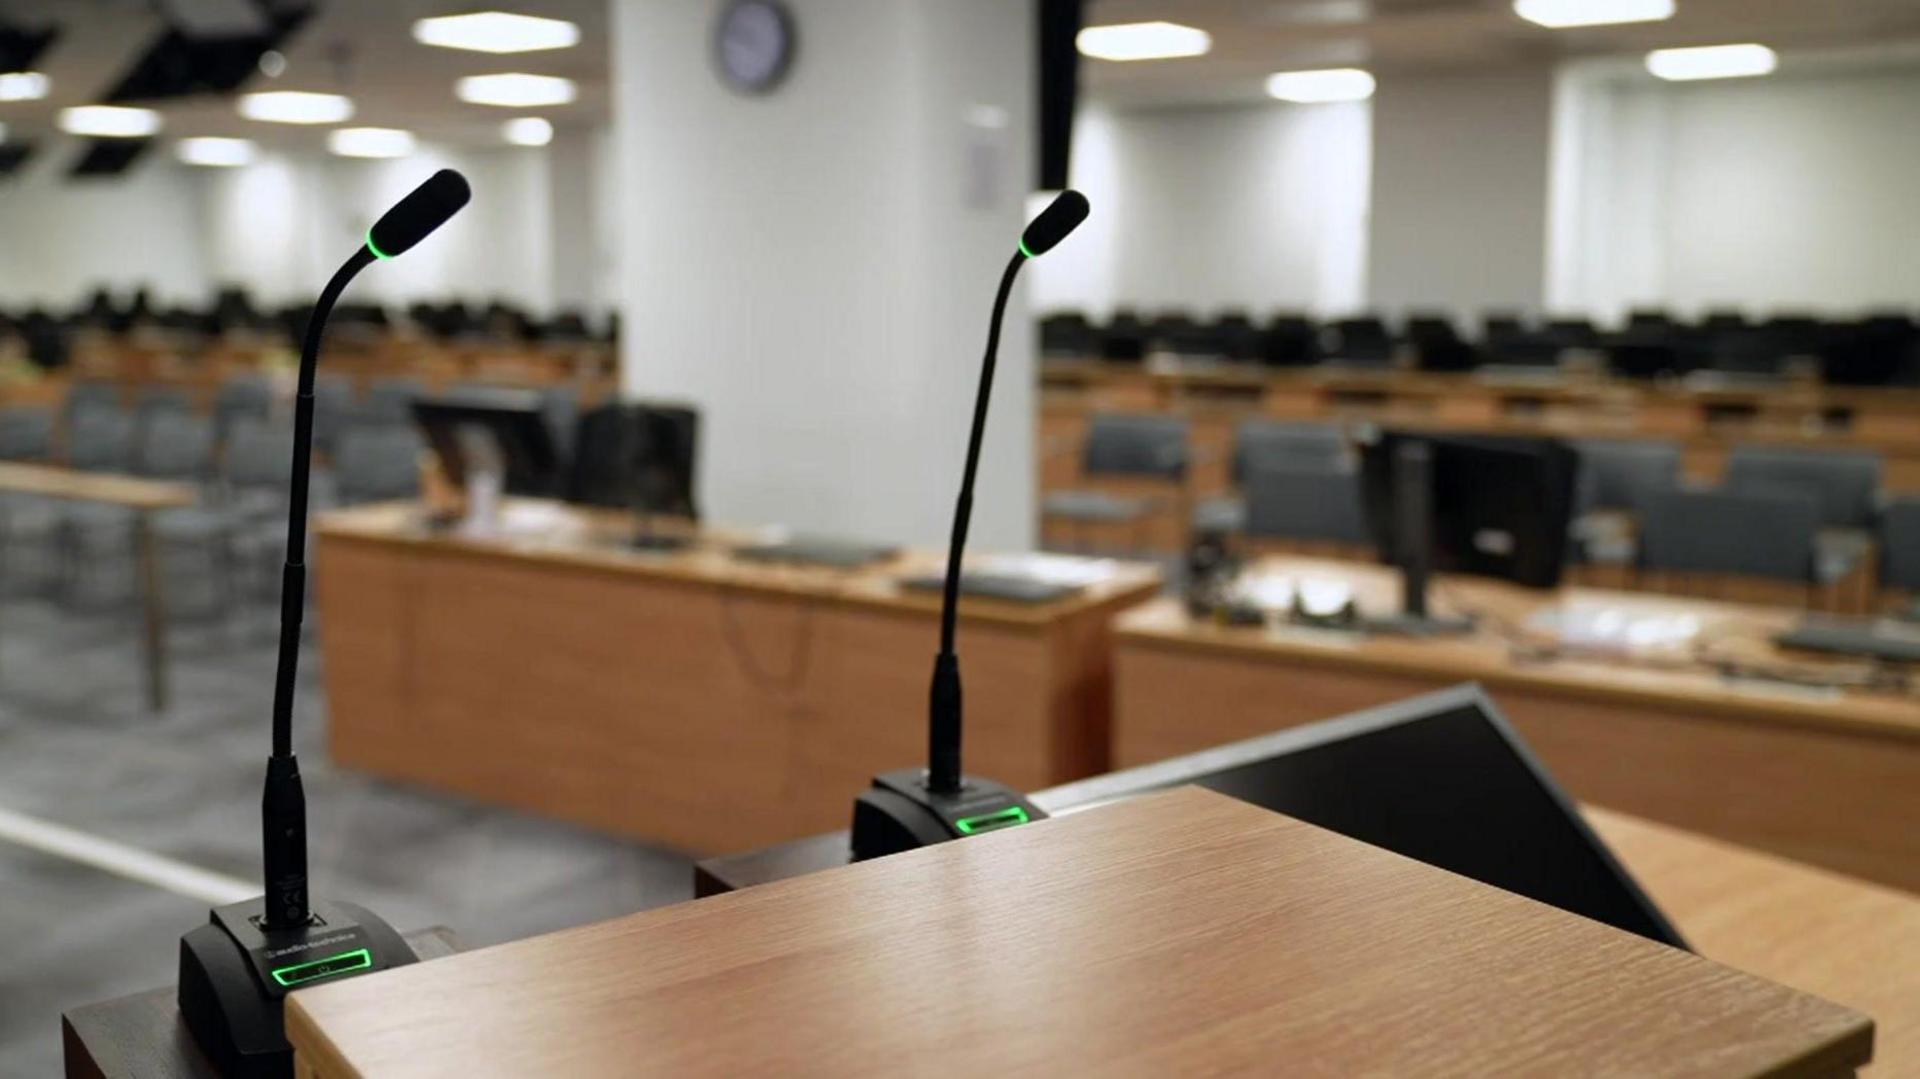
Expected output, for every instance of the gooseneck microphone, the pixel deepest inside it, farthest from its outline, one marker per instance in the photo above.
(236, 970)
(908, 809)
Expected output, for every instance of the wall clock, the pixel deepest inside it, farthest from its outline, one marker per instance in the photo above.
(753, 44)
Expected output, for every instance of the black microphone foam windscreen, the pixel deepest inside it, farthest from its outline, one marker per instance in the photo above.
(426, 208)
(1061, 217)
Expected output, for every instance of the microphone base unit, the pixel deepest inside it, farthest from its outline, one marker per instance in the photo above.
(900, 813)
(235, 976)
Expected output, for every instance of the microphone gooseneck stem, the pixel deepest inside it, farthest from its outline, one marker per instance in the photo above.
(283, 808)
(944, 705)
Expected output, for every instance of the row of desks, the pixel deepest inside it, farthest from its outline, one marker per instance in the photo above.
(716, 705)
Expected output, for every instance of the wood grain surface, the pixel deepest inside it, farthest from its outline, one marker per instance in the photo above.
(692, 700)
(129, 491)
(1831, 778)
(1182, 932)
(1850, 941)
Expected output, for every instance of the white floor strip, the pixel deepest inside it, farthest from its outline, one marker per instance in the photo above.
(121, 860)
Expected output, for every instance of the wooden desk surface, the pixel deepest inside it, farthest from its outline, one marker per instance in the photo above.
(1182, 931)
(1848, 940)
(1488, 655)
(129, 491)
(595, 541)
(1840, 938)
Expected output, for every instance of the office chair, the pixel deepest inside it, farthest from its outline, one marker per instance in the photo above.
(241, 396)
(638, 457)
(1300, 500)
(1126, 448)
(1362, 341)
(152, 401)
(333, 410)
(376, 464)
(1291, 341)
(1844, 485)
(1066, 335)
(1438, 345)
(1264, 442)
(1739, 533)
(389, 401)
(84, 397)
(1619, 474)
(1900, 545)
(26, 434)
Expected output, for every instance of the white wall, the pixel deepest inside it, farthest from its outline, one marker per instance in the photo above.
(1460, 181)
(280, 226)
(1794, 191)
(1259, 207)
(813, 268)
(59, 239)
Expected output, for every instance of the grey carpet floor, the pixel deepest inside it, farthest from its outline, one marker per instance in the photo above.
(79, 748)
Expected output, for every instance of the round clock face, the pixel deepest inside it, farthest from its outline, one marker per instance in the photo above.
(754, 44)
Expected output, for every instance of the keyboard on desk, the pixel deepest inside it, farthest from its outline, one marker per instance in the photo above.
(1882, 639)
(1014, 588)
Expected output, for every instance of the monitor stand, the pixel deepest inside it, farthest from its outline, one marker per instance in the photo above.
(1413, 543)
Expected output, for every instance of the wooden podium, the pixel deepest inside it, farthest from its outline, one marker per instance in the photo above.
(1172, 933)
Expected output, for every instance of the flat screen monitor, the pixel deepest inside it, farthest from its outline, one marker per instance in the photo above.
(513, 419)
(1442, 779)
(1500, 506)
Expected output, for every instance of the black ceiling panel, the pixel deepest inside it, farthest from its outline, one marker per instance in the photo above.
(108, 157)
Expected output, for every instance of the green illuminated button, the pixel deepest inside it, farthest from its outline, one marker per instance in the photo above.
(315, 969)
(987, 822)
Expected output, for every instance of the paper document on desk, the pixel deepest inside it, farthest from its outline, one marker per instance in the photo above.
(1606, 628)
(1073, 571)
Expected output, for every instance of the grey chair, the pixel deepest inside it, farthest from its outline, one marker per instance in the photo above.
(1305, 500)
(157, 400)
(1620, 474)
(389, 401)
(333, 409)
(1123, 447)
(256, 478)
(26, 434)
(242, 396)
(100, 440)
(1845, 485)
(1616, 477)
(375, 464)
(88, 397)
(1741, 533)
(1261, 442)
(1900, 545)
(180, 447)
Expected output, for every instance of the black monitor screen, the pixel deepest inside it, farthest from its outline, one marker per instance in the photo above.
(1441, 779)
(1500, 504)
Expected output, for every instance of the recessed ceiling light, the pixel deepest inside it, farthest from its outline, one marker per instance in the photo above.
(370, 142)
(23, 86)
(109, 121)
(1712, 62)
(1143, 41)
(515, 91)
(527, 131)
(296, 107)
(223, 153)
(1319, 87)
(496, 31)
(1560, 14)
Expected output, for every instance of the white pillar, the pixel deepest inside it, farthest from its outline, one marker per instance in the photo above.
(1460, 177)
(813, 268)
